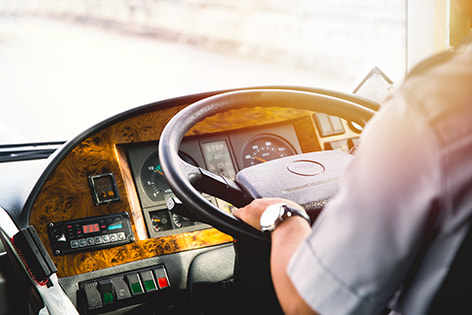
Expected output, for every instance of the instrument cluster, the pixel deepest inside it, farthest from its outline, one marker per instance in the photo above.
(222, 154)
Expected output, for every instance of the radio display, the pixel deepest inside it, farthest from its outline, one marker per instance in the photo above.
(90, 228)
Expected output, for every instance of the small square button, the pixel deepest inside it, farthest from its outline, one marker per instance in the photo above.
(148, 281)
(161, 276)
(113, 237)
(134, 284)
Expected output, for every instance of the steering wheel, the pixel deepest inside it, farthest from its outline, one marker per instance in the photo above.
(186, 181)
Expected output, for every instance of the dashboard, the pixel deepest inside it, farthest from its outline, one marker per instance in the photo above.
(100, 207)
(222, 154)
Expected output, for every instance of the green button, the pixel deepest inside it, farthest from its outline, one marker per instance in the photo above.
(149, 285)
(136, 288)
(107, 298)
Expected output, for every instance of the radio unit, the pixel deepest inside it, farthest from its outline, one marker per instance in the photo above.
(88, 234)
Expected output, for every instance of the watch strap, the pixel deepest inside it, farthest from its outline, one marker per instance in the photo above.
(290, 211)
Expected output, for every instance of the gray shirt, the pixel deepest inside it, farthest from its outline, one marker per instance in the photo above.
(405, 200)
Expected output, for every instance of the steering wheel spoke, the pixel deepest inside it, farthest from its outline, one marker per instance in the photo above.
(220, 186)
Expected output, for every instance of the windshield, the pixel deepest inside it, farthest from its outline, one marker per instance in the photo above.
(66, 65)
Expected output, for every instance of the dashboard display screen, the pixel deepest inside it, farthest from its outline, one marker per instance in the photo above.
(90, 228)
(218, 158)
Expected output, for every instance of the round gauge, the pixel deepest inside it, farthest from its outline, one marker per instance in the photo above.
(152, 178)
(160, 221)
(264, 148)
(179, 221)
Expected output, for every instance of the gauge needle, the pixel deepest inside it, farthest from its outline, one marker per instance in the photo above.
(156, 220)
(258, 158)
(158, 169)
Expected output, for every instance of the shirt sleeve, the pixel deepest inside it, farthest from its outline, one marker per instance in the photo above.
(365, 240)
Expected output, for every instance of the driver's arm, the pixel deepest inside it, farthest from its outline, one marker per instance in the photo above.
(285, 240)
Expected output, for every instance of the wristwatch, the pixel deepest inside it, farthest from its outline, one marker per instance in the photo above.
(274, 214)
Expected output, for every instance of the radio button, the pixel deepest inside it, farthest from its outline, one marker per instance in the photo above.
(90, 241)
(106, 239)
(98, 240)
(82, 242)
(113, 237)
(74, 244)
(121, 236)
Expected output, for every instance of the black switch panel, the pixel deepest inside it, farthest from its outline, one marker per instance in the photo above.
(124, 289)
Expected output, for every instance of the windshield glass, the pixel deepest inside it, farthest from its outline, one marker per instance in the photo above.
(66, 65)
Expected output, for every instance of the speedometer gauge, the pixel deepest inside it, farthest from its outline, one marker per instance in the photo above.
(264, 148)
(153, 180)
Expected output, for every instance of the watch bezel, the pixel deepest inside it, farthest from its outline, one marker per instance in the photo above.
(272, 216)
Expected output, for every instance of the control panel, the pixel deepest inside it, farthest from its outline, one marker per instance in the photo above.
(92, 233)
(112, 292)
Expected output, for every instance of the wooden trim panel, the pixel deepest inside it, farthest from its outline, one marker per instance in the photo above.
(66, 194)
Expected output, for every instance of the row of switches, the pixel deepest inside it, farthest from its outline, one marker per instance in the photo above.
(109, 291)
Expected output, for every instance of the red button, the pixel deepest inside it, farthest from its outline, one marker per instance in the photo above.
(163, 283)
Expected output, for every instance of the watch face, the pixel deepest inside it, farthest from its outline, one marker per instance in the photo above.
(270, 216)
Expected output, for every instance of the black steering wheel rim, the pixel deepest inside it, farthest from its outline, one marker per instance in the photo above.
(177, 172)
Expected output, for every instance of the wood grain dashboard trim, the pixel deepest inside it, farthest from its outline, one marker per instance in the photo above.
(65, 194)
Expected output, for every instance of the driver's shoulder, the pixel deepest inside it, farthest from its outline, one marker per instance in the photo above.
(442, 90)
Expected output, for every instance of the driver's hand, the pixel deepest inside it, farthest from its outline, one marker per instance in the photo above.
(251, 214)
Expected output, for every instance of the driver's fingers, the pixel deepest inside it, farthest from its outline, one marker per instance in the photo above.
(251, 214)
